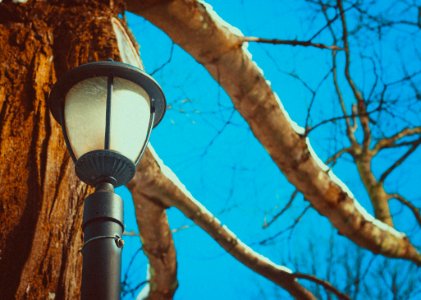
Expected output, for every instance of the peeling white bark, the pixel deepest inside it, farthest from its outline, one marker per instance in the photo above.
(156, 181)
(219, 48)
(128, 51)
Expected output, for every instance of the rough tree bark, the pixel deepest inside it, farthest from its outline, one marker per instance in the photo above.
(41, 198)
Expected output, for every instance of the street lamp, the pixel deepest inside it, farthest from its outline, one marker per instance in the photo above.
(107, 111)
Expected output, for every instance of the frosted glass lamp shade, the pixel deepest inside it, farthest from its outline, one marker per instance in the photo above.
(84, 115)
(85, 110)
(107, 111)
(130, 118)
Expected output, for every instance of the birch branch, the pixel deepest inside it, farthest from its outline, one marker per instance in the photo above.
(157, 242)
(155, 181)
(196, 27)
(158, 246)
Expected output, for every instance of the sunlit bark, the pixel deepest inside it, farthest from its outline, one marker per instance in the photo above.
(41, 198)
(191, 24)
(156, 182)
(155, 233)
(158, 246)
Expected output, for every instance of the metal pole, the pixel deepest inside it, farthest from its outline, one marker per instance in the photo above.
(102, 227)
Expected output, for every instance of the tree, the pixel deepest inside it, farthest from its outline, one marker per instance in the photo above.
(42, 199)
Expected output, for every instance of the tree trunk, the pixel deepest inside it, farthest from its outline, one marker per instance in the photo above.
(41, 198)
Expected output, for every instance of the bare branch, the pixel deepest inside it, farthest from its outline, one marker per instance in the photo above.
(397, 163)
(381, 21)
(294, 194)
(125, 287)
(289, 43)
(415, 210)
(334, 119)
(132, 290)
(361, 105)
(157, 242)
(155, 181)
(350, 127)
(284, 209)
(158, 246)
(165, 63)
(391, 141)
(193, 27)
(327, 25)
(337, 155)
(323, 283)
(290, 227)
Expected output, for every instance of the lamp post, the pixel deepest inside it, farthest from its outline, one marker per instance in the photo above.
(107, 111)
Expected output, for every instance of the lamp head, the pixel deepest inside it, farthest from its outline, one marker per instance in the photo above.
(107, 110)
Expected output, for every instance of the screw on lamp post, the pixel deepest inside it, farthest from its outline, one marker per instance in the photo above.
(107, 111)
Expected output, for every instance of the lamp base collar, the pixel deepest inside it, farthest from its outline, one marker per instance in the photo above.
(104, 166)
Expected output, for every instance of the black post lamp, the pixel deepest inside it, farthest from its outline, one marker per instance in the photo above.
(107, 111)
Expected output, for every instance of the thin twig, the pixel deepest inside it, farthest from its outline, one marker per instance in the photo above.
(166, 62)
(400, 160)
(292, 226)
(289, 43)
(415, 210)
(361, 107)
(337, 155)
(391, 141)
(344, 117)
(323, 283)
(284, 209)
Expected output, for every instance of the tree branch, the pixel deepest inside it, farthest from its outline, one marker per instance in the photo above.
(391, 141)
(412, 207)
(397, 163)
(125, 287)
(290, 227)
(334, 119)
(361, 105)
(284, 209)
(324, 284)
(157, 242)
(289, 42)
(350, 128)
(158, 246)
(337, 155)
(153, 180)
(192, 25)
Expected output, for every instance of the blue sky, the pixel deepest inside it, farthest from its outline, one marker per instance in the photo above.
(213, 152)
